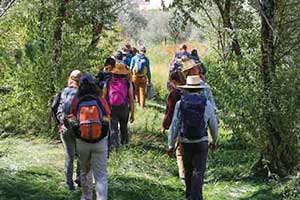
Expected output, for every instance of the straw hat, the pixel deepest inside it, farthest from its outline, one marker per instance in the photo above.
(188, 64)
(121, 69)
(193, 82)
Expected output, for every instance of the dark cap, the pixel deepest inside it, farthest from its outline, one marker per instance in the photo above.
(89, 78)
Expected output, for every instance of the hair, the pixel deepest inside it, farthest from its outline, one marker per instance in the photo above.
(194, 52)
(73, 81)
(192, 90)
(86, 88)
(110, 61)
(177, 76)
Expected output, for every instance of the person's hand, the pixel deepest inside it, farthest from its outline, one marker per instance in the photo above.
(131, 118)
(170, 152)
(163, 130)
(213, 146)
(61, 129)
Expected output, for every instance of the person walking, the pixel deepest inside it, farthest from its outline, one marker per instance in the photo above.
(67, 135)
(91, 113)
(119, 92)
(176, 79)
(141, 75)
(192, 116)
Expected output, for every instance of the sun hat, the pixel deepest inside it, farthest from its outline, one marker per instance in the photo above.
(188, 64)
(76, 73)
(89, 78)
(121, 69)
(193, 82)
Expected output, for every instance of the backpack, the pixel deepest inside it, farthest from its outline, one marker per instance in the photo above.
(67, 96)
(90, 113)
(54, 107)
(118, 91)
(192, 108)
(140, 65)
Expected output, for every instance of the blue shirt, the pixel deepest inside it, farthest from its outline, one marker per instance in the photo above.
(138, 57)
(210, 121)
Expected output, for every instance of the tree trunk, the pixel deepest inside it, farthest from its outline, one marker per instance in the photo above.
(278, 159)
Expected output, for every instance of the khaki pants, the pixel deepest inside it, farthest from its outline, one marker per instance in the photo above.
(93, 160)
(140, 83)
(179, 158)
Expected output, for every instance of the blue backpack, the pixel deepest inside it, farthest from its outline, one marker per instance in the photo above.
(192, 108)
(67, 97)
(140, 65)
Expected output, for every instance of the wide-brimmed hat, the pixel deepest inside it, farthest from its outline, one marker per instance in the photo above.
(121, 69)
(193, 82)
(188, 64)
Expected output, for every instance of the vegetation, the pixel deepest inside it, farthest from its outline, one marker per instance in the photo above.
(251, 51)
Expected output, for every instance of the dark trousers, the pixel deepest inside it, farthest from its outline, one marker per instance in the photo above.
(194, 161)
(119, 116)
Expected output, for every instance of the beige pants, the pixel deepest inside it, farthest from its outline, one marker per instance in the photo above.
(140, 83)
(93, 161)
(179, 158)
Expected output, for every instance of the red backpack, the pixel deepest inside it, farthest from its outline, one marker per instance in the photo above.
(90, 113)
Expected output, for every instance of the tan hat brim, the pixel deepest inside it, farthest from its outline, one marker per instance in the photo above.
(192, 86)
(121, 72)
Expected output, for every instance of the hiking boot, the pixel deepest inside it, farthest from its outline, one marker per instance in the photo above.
(78, 182)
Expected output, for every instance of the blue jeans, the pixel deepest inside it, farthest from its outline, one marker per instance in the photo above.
(194, 161)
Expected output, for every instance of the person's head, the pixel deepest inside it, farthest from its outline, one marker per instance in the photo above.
(120, 70)
(193, 84)
(117, 55)
(142, 50)
(87, 86)
(190, 68)
(183, 47)
(134, 51)
(128, 46)
(177, 78)
(109, 64)
(74, 78)
(194, 52)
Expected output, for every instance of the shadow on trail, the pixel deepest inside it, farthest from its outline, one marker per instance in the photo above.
(141, 188)
(33, 184)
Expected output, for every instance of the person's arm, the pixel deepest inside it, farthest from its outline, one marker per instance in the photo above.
(212, 122)
(148, 70)
(132, 63)
(105, 106)
(131, 102)
(104, 91)
(173, 132)
(173, 97)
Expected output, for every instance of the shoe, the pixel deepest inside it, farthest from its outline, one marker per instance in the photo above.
(182, 180)
(78, 182)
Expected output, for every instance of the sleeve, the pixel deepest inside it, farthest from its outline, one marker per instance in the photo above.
(174, 128)
(132, 63)
(148, 70)
(105, 106)
(212, 121)
(171, 102)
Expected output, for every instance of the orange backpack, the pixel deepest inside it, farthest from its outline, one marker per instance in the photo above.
(90, 115)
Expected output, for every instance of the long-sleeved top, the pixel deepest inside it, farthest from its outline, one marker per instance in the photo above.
(172, 99)
(136, 58)
(210, 120)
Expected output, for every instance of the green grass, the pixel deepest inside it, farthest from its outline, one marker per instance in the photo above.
(32, 169)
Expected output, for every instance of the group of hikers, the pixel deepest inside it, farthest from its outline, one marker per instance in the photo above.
(92, 111)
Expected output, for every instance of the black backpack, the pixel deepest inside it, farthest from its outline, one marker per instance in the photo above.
(192, 108)
(54, 107)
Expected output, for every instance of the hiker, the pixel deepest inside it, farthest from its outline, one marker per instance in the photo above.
(183, 52)
(119, 92)
(192, 116)
(194, 56)
(175, 79)
(190, 68)
(105, 75)
(118, 56)
(141, 75)
(126, 57)
(67, 135)
(92, 114)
